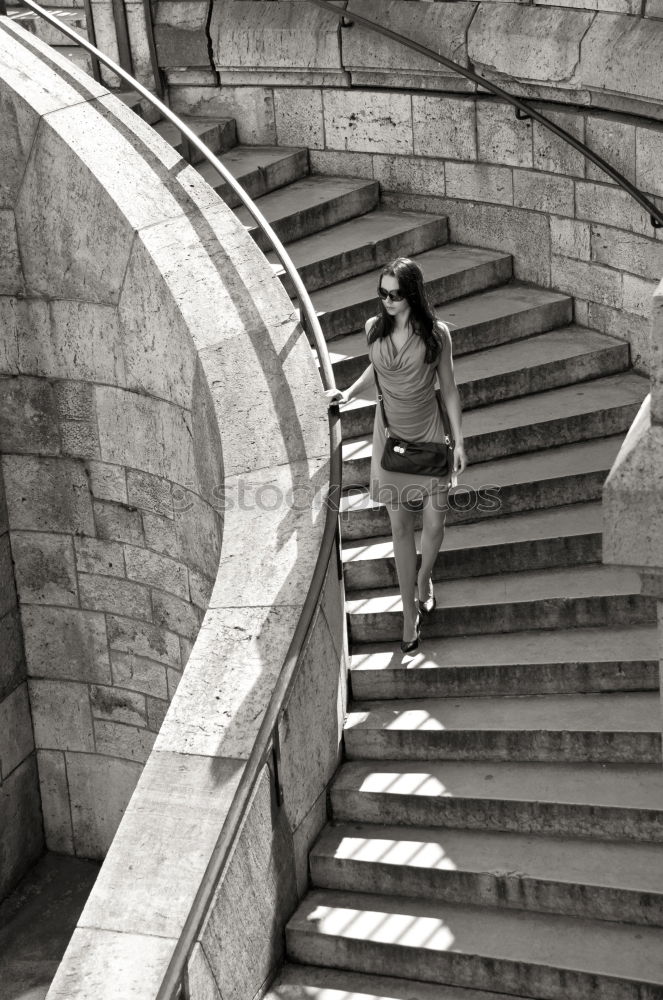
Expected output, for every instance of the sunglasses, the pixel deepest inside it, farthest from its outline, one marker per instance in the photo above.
(392, 296)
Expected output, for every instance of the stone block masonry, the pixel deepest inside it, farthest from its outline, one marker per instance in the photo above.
(102, 424)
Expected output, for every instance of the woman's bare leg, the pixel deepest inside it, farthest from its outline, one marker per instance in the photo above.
(405, 554)
(432, 535)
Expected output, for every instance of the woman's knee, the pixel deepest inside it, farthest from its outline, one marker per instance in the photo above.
(402, 526)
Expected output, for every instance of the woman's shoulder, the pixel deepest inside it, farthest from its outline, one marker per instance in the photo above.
(370, 323)
(443, 332)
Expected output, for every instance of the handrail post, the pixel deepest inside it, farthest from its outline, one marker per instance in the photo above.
(3, 8)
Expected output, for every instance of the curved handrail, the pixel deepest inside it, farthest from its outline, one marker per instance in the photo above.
(524, 109)
(266, 741)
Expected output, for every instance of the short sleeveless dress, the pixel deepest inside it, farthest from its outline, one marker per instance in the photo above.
(408, 391)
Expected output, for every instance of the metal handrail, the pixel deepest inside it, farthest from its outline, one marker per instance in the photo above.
(523, 108)
(266, 742)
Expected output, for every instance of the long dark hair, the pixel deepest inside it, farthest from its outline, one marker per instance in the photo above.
(424, 324)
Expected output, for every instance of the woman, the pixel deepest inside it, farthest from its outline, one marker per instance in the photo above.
(408, 348)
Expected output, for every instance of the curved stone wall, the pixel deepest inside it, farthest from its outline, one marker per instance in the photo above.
(437, 145)
(157, 385)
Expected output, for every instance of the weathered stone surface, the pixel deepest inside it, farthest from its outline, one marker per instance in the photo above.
(107, 482)
(627, 252)
(117, 739)
(633, 329)
(96, 556)
(179, 33)
(9, 341)
(543, 192)
(150, 492)
(55, 801)
(479, 182)
(649, 157)
(503, 138)
(622, 55)
(368, 121)
(444, 127)
(137, 673)
(256, 42)
(588, 281)
(146, 433)
(201, 981)
(110, 965)
(608, 205)
(138, 39)
(309, 729)
(638, 294)
(299, 118)
(174, 825)
(335, 163)
(615, 142)
(45, 568)
(409, 173)
(38, 80)
(156, 571)
(118, 522)
(530, 43)
(554, 154)
(11, 274)
(18, 127)
(7, 581)
(71, 338)
(66, 644)
(74, 400)
(569, 238)
(121, 597)
(156, 713)
(174, 614)
(117, 705)
(201, 587)
(129, 636)
(252, 107)
(373, 59)
(21, 837)
(28, 419)
(100, 789)
(47, 494)
(255, 897)
(303, 839)
(79, 439)
(162, 363)
(12, 662)
(235, 662)
(285, 506)
(61, 715)
(16, 741)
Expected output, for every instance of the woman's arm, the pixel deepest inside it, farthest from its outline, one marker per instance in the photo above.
(451, 398)
(359, 385)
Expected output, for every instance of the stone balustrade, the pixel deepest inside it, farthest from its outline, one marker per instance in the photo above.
(165, 459)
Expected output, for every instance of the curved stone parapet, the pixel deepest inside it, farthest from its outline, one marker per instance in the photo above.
(165, 456)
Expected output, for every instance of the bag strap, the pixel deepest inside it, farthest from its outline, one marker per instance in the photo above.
(443, 413)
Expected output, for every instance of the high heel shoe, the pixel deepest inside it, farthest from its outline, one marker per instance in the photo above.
(410, 647)
(428, 606)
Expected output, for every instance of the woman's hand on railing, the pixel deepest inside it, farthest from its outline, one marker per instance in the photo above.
(336, 396)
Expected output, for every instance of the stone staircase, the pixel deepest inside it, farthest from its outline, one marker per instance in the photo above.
(496, 827)
(497, 824)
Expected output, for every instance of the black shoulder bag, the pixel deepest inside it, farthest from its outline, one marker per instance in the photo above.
(419, 458)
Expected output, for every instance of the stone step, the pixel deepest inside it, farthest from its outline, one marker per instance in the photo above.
(599, 408)
(139, 105)
(521, 663)
(512, 951)
(585, 596)
(306, 982)
(75, 54)
(604, 728)
(487, 319)
(72, 16)
(309, 205)
(218, 134)
(363, 244)
(545, 479)
(614, 880)
(561, 536)
(542, 362)
(600, 801)
(259, 169)
(450, 272)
